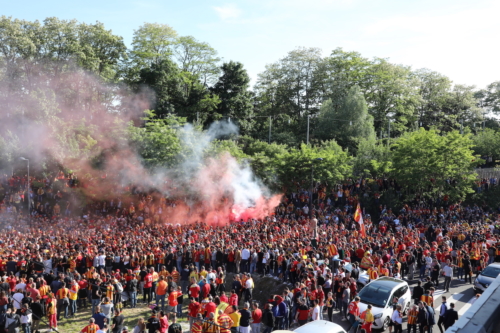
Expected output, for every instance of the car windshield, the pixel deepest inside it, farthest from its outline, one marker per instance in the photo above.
(375, 295)
(491, 271)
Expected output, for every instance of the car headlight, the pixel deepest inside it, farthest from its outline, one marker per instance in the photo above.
(377, 316)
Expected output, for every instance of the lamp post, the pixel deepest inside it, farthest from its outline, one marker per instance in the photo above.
(312, 185)
(28, 185)
(308, 117)
(270, 121)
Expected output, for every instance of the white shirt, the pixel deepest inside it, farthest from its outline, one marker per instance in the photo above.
(248, 283)
(245, 254)
(26, 318)
(18, 297)
(21, 286)
(448, 271)
(315, 314)
(47, 265)
(210, 276)
(396, 318)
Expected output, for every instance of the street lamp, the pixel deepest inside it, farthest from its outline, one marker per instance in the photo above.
(28, 185)
(312, 185)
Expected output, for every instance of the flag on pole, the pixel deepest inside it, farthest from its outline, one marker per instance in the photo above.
(358, 217)
(332, 250)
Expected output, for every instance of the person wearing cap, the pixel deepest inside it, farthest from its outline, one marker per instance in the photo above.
(153, 324)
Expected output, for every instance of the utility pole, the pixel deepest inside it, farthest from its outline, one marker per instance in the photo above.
(389, 134)
(270, 120)
(308, 129)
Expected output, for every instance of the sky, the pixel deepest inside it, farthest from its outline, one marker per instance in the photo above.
(458, 38)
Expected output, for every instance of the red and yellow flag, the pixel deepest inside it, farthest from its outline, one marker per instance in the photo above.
(358, 217)
(332, 250)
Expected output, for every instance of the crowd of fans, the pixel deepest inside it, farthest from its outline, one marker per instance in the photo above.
(111, 255)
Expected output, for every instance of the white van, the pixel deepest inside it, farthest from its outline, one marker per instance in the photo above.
(318, 326)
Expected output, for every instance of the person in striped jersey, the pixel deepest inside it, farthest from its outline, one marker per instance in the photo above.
(412, 319)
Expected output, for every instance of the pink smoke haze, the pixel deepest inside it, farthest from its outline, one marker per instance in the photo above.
(73, 117)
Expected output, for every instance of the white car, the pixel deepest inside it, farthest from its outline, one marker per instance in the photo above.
(318, 326)
(363, 277)
(380, 293)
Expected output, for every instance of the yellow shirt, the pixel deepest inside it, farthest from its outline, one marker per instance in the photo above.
(235, 316)
(73, 292)
(369, 317)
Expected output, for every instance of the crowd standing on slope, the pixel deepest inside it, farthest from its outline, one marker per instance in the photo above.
(112, 257)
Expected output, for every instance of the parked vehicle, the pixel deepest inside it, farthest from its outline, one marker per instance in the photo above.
(380, 294)
(486, 277)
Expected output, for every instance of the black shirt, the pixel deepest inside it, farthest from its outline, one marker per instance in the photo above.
(245, 318)
(118, 322)
(153, 324)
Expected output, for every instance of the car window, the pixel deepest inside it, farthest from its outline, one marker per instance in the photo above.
(404, 290)
(398, 293)
(491, 271)
(375, 295)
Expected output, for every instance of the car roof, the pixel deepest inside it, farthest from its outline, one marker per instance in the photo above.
(322, 326)
(387, 282)
(495, 264)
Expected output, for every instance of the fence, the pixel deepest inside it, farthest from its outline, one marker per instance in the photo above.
(488, 173)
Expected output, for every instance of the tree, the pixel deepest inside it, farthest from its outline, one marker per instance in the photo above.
(347, 124)
(291, 85)
(197, 58)
(340, 72)
(101, 50)
(487, 144)
(294, 166)
(373, 158)
(392, 96)
(157, 141)
(431, 165)
(235, 99)
(152, 43)
(492, 96)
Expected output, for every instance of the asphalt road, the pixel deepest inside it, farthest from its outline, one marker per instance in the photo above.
(461, 294)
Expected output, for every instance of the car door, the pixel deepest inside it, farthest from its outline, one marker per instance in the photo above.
(400, 293)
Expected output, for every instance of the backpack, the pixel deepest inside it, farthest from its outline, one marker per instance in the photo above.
(430, 318)
(119, 287)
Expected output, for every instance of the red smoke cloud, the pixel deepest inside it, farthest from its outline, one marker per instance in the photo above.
(71, 119)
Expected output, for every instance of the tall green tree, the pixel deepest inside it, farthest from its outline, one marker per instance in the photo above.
(392, 96)
(331, 165)
(428, 164)
(197, 58)
(347, 124)
(291, 86)
(232, 88)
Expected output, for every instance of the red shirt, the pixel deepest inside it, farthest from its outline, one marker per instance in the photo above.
(233, 300)
(163, 324)
(148, 281)
(354, 309)
(206, 289)
(194, 309)
(257, 316)
(172, 298)
(210, 308)
(303, 314)
(194, 290)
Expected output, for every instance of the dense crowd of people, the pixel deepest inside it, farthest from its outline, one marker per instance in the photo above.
(114, 255)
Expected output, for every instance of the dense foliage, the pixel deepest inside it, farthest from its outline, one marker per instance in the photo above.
(364, 117)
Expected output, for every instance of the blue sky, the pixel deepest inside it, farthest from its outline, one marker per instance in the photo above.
(458, 38)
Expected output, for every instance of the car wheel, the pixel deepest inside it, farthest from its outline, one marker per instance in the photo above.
(386, 324)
